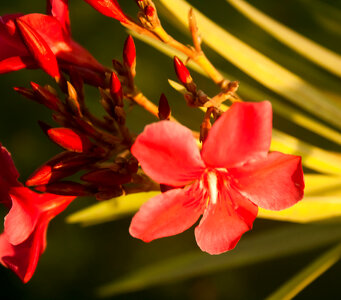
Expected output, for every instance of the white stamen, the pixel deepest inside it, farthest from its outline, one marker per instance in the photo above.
(212, 185)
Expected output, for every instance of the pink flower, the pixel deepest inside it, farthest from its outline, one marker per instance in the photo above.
(24, 236)
(226, 182)
(53, 29)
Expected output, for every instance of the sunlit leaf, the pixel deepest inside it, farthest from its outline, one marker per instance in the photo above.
(111, 209)
(251, 93)
(306, 47)
(308, 210)
(291, 239)
(306, 276)
(258, 66)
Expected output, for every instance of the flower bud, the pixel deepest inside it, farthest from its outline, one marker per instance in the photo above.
(129, 53)
(67, 188)
(164, 109)
(116, 89)
(182, 72)
(70, 139)
(109, 8)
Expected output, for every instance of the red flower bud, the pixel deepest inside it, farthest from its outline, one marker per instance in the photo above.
(149, 11)
(109, 8)
(106, 177)
(70, 139)
(116, 89)
(39, 49)
(45, 174)
(67, 188)
(181, 71)
(45, 97)
(129, 52)
(164, 109)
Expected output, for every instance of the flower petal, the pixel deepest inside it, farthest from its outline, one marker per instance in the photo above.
(16, 63)
(275, 182)
(168, 153)
(23, 258)
(224, 222)
(60, 10)
(22, 217)
(8, 172)
(168, 214)
(240, 134)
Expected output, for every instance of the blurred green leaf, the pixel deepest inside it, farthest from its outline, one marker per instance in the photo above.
(110, 210)
(306, 47)
(258, 66)
(254, 94)
(296, 284)
(291, 239)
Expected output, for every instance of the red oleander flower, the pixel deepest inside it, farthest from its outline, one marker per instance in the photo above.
(226, 182)
(16, 53)
(24, 236)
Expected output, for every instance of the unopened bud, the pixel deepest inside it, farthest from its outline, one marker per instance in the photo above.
(72, 100)
(46, 98)
(67, 188)
(182, 72)
(164, 108)
(129, 54)
(116, 89)
(70, 139)
(106, 177)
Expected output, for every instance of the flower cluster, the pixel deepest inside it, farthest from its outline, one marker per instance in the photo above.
(225, 182)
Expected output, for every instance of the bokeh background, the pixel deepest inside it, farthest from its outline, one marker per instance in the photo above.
(78, 260)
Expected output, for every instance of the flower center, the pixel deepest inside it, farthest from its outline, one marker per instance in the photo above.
(212, 181)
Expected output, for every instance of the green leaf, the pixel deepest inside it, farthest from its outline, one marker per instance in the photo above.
(316, 53)
(258, 66)
(251, 93)
(111, 209)
(306, 276)
(289, 240)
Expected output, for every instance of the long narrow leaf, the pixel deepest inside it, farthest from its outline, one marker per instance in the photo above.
(300, 281)
(258, 66)
(291, 239)
(110, 210)
(306, 47)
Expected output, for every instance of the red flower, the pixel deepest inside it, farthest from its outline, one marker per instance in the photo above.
(24, 236)
(226, 182)
(54, 30)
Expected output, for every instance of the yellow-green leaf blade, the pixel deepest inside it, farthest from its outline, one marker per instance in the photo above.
(306, 47)
(111, 209)
(306, 276)
(271, 244)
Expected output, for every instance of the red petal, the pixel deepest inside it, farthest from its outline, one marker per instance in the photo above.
(61, 43)
(167, 214)
(16, 63)
(39, 49)
(275, 182)
(109, 8)
(223, 223)
(168, 153)
(8, 171)
(60, 10)
(22, 217)
(239, 135)
(23, 258)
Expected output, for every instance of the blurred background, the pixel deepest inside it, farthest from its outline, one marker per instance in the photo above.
(80, 259)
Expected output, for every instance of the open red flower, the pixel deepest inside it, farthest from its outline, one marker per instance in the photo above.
(53, 29)
(24, 236)
(226, 182)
